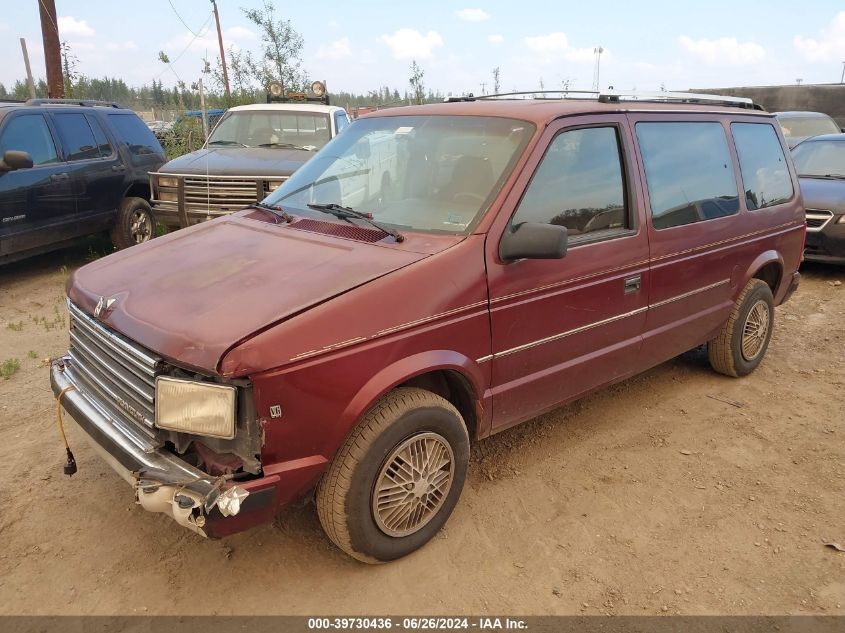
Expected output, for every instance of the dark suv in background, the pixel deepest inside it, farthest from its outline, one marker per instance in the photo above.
(72, 168)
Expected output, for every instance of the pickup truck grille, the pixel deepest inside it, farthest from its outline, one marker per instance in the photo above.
(115, 373)
(216, 195)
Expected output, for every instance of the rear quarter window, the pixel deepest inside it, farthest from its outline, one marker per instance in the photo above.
(137, 137)
(689, 172)
(765, 172)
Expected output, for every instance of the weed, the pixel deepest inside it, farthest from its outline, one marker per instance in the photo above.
(8, 367)
(32, 354)
(17, 327)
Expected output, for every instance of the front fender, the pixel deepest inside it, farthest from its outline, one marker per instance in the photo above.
(410, 367)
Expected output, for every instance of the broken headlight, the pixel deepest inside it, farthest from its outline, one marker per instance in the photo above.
(199, 408)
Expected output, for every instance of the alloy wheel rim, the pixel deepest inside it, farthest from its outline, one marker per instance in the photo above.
(755, 330)
(413, 484)
(141, 227)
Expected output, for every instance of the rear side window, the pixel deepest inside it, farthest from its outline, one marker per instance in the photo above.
(140, 141)
(103, 144)
(579, 184)
(77, 138)
(29, 133)
(689, 172)
(765, 175)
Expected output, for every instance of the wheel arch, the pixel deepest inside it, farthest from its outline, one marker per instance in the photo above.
(449, 374)
(767, 266)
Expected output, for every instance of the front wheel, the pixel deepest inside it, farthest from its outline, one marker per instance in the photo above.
(744, 338)
(397, 478)
(134, 225)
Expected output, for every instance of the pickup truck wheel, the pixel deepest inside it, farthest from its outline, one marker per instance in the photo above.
(743, 340)
(397, 478)
(134, 225)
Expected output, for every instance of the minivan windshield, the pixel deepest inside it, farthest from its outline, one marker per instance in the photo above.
(425, 173)
(272, 129)
(820, 159)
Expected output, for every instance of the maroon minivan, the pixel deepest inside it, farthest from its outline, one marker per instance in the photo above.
(434, 275)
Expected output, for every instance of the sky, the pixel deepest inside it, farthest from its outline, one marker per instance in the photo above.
(361, 45)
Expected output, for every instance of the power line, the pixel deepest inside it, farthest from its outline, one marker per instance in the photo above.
(180, 18)
(184, 50)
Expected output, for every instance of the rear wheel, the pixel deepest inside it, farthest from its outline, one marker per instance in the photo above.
(397, 478)
(134, 225)
(744, 339)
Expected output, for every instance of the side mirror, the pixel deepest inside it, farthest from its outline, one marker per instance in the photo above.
(362, 149)
(14, 159)
(531, 240)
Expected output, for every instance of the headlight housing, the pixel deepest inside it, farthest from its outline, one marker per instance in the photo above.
(272, 185)
(168, 196)
(168, 181)
(199, 408)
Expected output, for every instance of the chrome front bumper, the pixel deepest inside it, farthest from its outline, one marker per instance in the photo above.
(162, 482)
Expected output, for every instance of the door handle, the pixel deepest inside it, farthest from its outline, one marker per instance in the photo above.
(58, 177)
(118, 168)
(632, 284)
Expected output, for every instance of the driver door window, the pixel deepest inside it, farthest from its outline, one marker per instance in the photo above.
(29, 133)
(579, 185)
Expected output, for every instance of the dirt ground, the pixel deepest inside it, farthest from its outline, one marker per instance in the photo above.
(656, 496)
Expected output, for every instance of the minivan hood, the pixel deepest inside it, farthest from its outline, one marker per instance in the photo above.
(193, 294)
(239, 161)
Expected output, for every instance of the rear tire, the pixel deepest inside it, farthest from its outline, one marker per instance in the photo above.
(744, 338)
(135, 223)
(397, 478)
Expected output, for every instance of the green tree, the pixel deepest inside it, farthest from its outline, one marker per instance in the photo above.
(281, 50)
(496, 83)
(416, 81)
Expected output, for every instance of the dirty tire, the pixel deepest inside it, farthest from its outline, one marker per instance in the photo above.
(135, 223)
(726, 350)
(346, 491)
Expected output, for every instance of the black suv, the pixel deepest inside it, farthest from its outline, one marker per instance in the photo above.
(72, 168)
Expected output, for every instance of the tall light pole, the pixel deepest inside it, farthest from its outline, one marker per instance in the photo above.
(222, 55)
(598, 51)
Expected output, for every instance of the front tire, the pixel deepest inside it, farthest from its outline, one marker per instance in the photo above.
(744, 338)
(397, 478)
(135, 223)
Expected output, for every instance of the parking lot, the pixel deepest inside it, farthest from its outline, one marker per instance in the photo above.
(679, 491)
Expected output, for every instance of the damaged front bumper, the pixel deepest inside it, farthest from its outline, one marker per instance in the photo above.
(162, 482)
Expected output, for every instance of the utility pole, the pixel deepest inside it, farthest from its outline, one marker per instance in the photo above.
(29, 81)
(483, 88)
(842, 79)
(222, 55)
(52, 49)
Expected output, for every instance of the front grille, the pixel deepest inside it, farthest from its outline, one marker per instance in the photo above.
(114, 372)
(817, 219)
(217, 195)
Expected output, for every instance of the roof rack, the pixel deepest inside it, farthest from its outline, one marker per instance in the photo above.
(619, 97)
(76, 102)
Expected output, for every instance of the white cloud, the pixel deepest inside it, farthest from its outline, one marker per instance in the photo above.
(556, 45)
(829, 47)
(128, 45)
(411, 44)
(336, 50)
(495, 38)
(69, 25)
(725, 50)
(473, 15)
(238, 33)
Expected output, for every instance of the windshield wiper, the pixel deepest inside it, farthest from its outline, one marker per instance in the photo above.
(345, 213)
(276, 210)
(221, 142)
(287, 145)
(826, 176)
